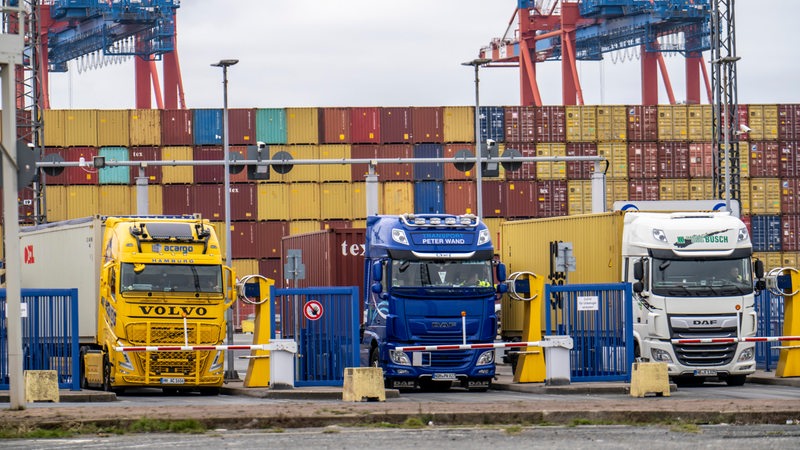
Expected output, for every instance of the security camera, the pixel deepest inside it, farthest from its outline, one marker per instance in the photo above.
(744, 128)
(490, 143)
(261, 144)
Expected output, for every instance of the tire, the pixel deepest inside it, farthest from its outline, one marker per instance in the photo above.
(736, 380)
(374, 357)
(106, 374)
(84, 381)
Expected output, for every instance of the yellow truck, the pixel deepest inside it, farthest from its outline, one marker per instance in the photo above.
(142, 281)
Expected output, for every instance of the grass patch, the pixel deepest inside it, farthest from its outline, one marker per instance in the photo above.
(686, 428)
(414, 422)
(513, 429)
(147, 425)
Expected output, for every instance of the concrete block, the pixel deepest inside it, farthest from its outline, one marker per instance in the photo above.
(649, 378)
(41, 385)
(362, 383)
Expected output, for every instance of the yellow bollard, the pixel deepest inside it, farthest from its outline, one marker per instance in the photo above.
(258, 366)
(789, 360)
(531, 364)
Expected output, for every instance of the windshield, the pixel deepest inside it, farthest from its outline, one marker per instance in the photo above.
(445, 274)
(170, 278)
(702, 277)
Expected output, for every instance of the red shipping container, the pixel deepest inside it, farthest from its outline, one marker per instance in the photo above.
(788, 122)
(642, 160)
(789, 159)
(244, 237)
(450, 171)
(396, 125)
(790, 232)
(209, 200)
(271, 268)
(211, 173)
(521, 197)
(643, 190)
(427, 123)
(673, 159)
(60, 179)
(80, 175)
(151, 172)
(239, 151)
(270, 234)
(742, 116)
(333, 257)
(550, 124)
(176, 127)
(460, 197)
(763, 157)
(527, 170)
(395, 171)
(580, 170)
(520, 124)
(244, 201)
(642, 123)
(493, 194)
(365, 125)
(551, 198)
(790, 196)
(701, 160)
(177, 199)
(242, 126)
(336, 223)
(334, 125)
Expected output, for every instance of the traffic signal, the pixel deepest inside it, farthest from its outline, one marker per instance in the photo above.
(490, 168)
(26, 164)
(233, 169)
(257, 153)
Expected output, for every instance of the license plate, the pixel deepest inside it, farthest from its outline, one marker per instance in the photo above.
(444, 376)
(173, 381)
(705, 373)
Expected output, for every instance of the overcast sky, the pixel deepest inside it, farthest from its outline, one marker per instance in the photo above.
(296, 53)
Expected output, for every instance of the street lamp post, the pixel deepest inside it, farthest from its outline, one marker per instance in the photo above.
(725, 63)
(477, 63)
(225, 63)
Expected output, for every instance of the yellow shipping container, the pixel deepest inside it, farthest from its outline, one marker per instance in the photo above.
(790, 259)
(744, 195)
(700, 122)
(763, 122)
(54, 127)
(273, 201)
(80, 128)
(334, 172)
(304, 201)
(459, 124)
(579, 197)
(765, 196)
(617, 155)
(599, 260)
(113, 128)
(145, 127)
(581, 121)
(114, 200)
(177, 174)
(336, 201)
(616, 191)
(304, 226)
(771, 260)
(397, 198)
(359, 223)
(302, 126)
(155, 200)
(81, 201)
(359, 204)
(493, 224)
(701, 189)
(302, 173)
(673, 122)
(55, 203)
(673, 189)
(611, 123)
(244, 267)
(551, 170)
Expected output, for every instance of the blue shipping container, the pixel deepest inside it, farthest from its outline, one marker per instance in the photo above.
(207, 126)
(493, 123)
(429, 197)
(271, 125)
(428, 171)
(766, 233)
(114, 175)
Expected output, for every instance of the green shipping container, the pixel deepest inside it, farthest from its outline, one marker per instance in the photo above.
(271, 125)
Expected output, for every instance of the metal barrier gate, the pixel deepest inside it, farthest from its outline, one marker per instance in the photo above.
(49, 335)
(324, 323)
(599, 319)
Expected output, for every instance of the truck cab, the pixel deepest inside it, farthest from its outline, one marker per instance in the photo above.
(430, 280)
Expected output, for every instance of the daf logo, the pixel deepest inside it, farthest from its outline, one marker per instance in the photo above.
(443, 324)
(705, 322)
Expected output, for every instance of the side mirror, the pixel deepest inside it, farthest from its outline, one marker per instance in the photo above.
(759, 269)
(377, 271)
(376, 288)
(500, 270)
(502, 288)
(638, 270)
(638, 287)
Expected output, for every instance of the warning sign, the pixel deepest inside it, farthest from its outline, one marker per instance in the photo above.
(312, 310)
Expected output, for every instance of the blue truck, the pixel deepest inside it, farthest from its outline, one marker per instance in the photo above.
(429, 281)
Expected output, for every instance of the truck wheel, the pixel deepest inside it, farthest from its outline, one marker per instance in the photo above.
(736, 380)
(374, 357)
(106, 374)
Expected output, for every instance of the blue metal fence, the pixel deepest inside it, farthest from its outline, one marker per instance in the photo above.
(49, 335)
(324, 323)
(770, 311)
(599, 319)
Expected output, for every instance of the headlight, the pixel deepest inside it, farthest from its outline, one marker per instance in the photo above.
(659, 235)
(399, 358)
(660, 355)
(484, 237)
(486, 358)
(746, 355)
(399, 236)
(743, 235)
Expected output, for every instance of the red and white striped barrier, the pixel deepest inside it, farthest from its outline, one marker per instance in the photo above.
(194, 348)
(729, 340)
(561, 341)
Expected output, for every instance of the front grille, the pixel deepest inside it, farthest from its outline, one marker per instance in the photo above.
(147, 333)
(703, 355)
(182, 364)
(454, 358)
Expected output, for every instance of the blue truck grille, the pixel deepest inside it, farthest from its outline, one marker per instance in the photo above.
(455, 358)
